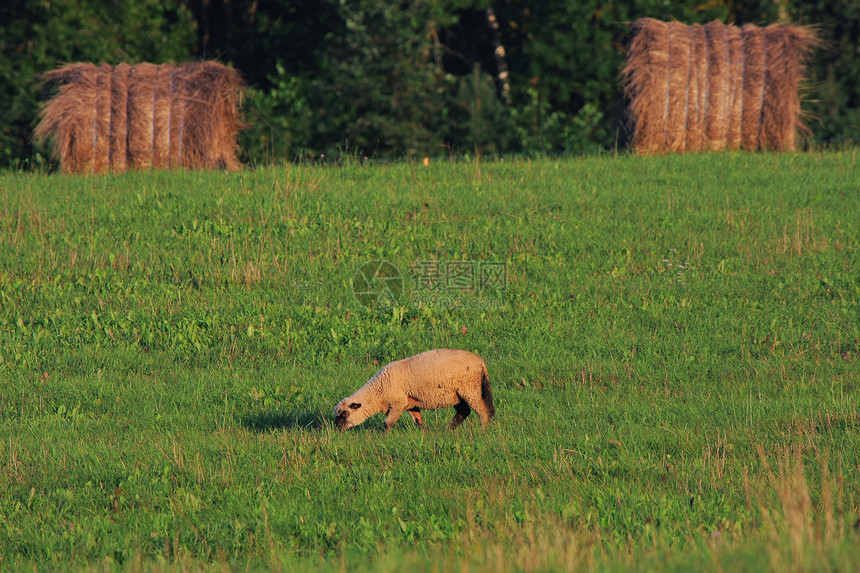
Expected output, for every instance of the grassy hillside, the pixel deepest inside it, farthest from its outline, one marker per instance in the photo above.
(673, 346)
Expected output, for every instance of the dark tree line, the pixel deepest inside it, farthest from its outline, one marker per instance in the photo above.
(379, 78)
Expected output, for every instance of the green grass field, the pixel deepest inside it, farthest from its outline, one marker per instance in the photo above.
(673, 347)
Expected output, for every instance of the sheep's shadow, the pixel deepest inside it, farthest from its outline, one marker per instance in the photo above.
(267, 421)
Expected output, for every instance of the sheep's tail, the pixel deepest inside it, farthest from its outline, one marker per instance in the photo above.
(486, 393)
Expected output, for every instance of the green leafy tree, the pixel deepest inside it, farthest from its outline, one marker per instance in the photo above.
(260, 36)
(564, 60)
(382, 67)
(480, 121)
(378, 88)
(417, 77)
(834, 72)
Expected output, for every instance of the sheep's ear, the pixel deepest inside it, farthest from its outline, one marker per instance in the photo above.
(355, 406)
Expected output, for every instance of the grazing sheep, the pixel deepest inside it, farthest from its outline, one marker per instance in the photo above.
(439, 378)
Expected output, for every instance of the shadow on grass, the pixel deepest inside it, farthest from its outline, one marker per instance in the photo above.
(268, 421)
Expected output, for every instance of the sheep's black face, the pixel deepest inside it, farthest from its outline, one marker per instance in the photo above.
(342, 412)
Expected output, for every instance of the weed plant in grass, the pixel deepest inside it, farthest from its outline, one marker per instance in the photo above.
(673, 346)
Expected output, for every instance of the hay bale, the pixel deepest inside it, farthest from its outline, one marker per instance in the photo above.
(143, 116)
(678, 87)
(118, 122)
(715, 87)
(696, 124)
(70, 121)
(737, 65)
(777, 129)
(787, 49)
(175, 117)
(161, 110)
(753, 86)
(716, 97)
(141, 121)
(101, 127)
(211, 116)
(647, 69)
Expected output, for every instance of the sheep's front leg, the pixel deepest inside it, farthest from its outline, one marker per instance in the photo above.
(394, 413)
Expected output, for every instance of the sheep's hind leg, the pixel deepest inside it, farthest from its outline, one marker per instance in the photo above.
(463, 410)
(416, 417)
(481, 410)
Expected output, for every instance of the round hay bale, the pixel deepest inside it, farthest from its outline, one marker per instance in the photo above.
(118, 122)
(68, 119)
(161, 117)
(647, 84)
(737, 65)
(141, 120)
(716, 104)
(715, 87)
(101, 126)
(144, 116)
(753, 86)
(679, 87)
(788, 47)
(698, 90)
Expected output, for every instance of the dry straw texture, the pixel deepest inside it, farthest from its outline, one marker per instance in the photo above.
(144, 116)
(715, 87)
